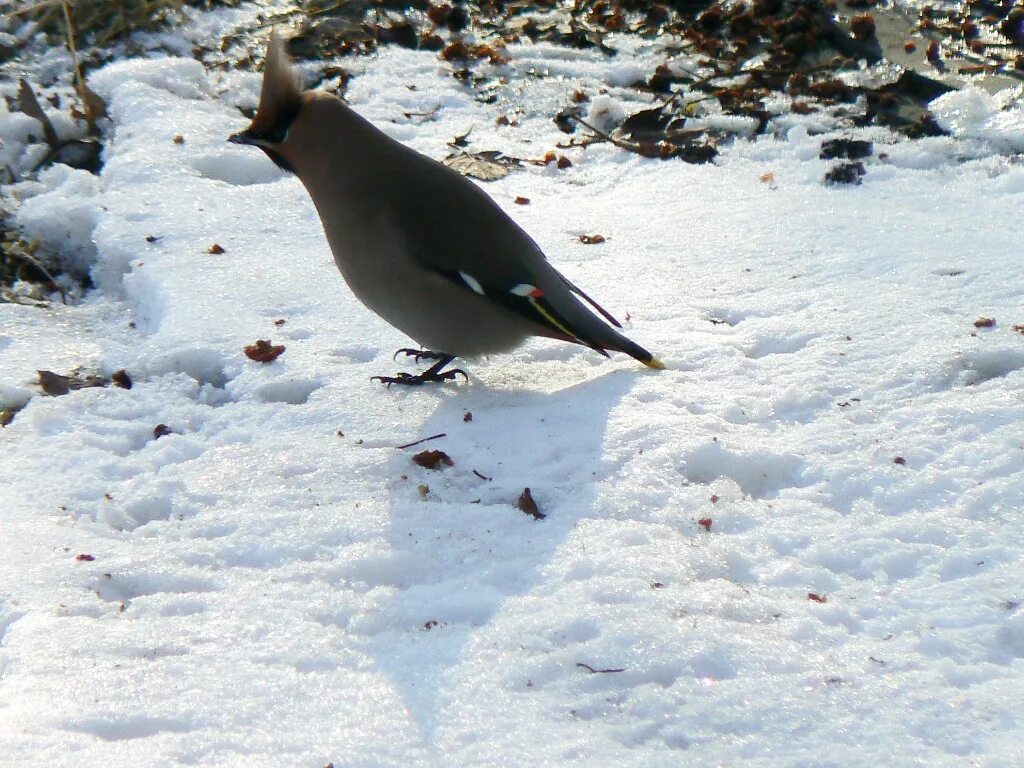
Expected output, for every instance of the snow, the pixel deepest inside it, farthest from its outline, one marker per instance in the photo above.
(973, 113)
(276, 583)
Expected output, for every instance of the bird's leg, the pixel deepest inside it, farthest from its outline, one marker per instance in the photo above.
(432, 375)
(419, 354)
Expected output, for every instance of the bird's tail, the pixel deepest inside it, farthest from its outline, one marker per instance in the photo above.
(591, 331)
(635, 351)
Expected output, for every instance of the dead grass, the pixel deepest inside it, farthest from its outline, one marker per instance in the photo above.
(100, 22)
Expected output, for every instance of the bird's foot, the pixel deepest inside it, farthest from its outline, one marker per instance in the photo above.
(419, 354)
(426, 377)
(433, 374)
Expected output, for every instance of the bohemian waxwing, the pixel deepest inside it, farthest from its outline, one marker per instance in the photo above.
(420, 245)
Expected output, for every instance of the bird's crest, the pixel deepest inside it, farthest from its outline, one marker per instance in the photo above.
(281, 94)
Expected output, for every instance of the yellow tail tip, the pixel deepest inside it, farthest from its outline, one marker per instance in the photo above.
(654, 363)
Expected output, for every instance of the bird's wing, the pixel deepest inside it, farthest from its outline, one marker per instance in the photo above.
(465, 237)
(528, 300)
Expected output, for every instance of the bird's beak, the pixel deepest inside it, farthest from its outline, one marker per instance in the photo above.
(242, 137)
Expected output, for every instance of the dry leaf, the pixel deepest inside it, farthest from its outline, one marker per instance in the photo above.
(529, 506)
(121, 379)
(486, 166)
(591, 239)
(433, 459)
(29, 104)
(55, 384)
(216, 249)
(262, 351)
(161, 430)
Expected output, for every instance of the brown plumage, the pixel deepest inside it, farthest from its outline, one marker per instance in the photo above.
(420, 245)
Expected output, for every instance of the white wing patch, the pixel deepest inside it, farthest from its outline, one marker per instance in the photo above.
(472, 282)
(524, 289)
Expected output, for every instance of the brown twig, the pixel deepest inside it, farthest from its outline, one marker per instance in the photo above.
(591, 670)
(626, 145)
(423, 440)
(28, 258)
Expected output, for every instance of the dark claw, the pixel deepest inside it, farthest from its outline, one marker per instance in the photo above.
(427, 377)
(419, 354)
(433, 375)
(401, 378)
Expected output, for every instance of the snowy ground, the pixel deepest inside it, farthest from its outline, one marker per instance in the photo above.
(275, 583)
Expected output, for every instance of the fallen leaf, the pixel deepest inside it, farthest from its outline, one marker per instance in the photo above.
(29, 104)
(646, 125)
(467, 416)
(591, 239)
(439, 13)
(899, 460)
(850, 149)
(161, 430)
(705, 523)
(121, 379)
(568, 118)
(262, 351)
(178, 139)
(863, 27)
(845, 173)
(984, 322)
(84, 558)
(815, 597)
(216, 249)
(486, 166)
(433, 459)
(522, 201)
(53, 383)
(529, 506)
(461, 140)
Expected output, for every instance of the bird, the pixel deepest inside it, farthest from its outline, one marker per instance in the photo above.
(419, 244)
